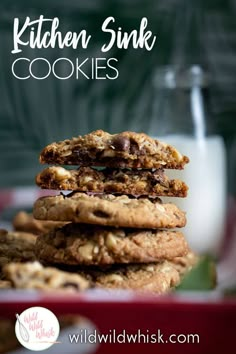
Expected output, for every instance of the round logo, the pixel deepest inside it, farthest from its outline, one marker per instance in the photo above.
(37, 328)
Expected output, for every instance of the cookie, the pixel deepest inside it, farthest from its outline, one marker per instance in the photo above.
(125, 150)
(122, 181)
(27, 223)
(33, 275)
(16, 247)
(159, 278)
(95, 245)
(110, 210)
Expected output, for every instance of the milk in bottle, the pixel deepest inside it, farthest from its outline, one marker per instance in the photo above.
(205, 174)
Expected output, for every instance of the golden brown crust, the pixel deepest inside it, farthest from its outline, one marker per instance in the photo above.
(157, 278)
(81, 244)
(27, 223)
(110, 210)
(122, 181)
(33, 275)
(125, 150)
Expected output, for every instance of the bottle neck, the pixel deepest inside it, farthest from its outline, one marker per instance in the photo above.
(179, 106)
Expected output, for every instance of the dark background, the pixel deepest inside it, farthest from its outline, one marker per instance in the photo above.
(34, 113)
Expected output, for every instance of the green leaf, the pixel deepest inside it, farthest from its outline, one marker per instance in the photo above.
(201, 277)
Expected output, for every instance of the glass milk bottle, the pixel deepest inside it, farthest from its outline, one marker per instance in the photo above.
(179, 118)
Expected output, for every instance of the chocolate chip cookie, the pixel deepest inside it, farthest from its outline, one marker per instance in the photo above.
(33, 275)
(110, 210)
(93, 245)
(122, 181)
(27, 223)
(123, 150)
(159, 278)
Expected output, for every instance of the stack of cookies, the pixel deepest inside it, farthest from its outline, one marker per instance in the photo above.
(117, 230)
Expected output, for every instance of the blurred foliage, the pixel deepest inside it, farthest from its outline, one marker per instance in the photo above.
(201, 277)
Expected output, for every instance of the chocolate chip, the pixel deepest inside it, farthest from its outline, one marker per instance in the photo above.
(134, 148)
(59, 240)
(122, 178)
(47, 279)
(160, 177)
(82, 155)
(121, 143)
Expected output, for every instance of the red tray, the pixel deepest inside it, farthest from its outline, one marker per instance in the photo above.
(207, 315)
